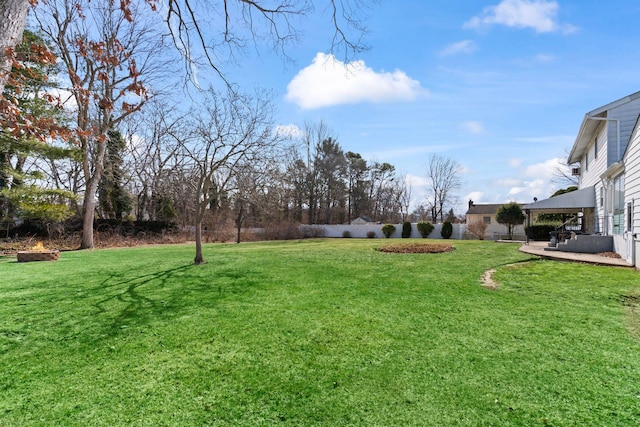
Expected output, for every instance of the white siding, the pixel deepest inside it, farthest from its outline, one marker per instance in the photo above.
(590, 171)
(632, 194)
(628, 115)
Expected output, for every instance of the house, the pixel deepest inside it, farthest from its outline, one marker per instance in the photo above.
(486, 213)
(362, 220)
(606, 159)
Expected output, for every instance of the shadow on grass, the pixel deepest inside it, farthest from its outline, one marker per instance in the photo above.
(137, 301)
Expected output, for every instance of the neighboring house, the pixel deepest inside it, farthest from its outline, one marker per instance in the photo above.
(606, 158)
(486, 213)
(362, 220)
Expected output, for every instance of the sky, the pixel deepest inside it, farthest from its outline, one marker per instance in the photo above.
(499, 86)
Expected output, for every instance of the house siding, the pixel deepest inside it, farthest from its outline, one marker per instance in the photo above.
(590, 171)
(627, 114)
(631, 241)
(590, 176)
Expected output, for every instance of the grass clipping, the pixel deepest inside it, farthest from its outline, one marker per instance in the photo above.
(417, 248)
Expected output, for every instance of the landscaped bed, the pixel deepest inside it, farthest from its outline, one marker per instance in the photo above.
(417, 248)
(317, 332)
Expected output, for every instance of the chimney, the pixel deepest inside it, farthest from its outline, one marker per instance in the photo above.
(470, 204)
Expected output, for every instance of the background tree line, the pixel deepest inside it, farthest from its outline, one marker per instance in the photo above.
(90, 128)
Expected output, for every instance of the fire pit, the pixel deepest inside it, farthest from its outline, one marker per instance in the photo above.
(38, 253)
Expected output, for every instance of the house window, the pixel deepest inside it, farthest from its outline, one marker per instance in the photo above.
(601, 197)
(487, 219)
(595, 148)
(618, 205)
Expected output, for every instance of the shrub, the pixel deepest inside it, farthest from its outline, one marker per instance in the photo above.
(388, 230)
(406, 229)
(478, 229)
(309, 231)
(346, 234)
(447, 230)
(371, 234)
(540, 231)
(425, 228)
(284, 231)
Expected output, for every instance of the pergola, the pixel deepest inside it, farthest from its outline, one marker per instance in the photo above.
(579, 201)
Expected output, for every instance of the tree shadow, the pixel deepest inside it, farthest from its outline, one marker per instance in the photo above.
(167, 294)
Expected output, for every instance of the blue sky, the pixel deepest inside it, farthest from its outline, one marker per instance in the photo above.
(500, 86)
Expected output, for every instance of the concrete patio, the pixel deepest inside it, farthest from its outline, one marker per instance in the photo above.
(537, 248)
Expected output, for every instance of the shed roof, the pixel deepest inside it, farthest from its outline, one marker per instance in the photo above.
(579, 199)
(485, 209)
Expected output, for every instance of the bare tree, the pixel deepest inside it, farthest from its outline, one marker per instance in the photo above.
(443, 177)
(154, 161)
(104, 57)
(242, 22)
(403, 188)
(381, 183)
(238, 22)
(313, 135)
(230, 131)
(562, 175)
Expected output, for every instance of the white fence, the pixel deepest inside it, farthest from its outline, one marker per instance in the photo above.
(361, 231)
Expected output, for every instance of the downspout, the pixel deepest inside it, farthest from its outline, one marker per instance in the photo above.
(605, 219)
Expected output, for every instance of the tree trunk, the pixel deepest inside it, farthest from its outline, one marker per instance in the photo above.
(239, 222)
(88, 215)
(199, 258)
(14, 16)
(91, 190)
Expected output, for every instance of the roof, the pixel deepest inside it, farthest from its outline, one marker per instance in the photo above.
(579, 199)
(589, 127)
(488, 209)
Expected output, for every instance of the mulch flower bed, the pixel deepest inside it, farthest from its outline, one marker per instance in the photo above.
(417, 248)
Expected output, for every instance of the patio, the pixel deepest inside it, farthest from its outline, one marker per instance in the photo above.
(538, 248)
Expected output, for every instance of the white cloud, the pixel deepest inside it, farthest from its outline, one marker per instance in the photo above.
(473, 127)
(416, 181)
(540, 15)
(533, 181)
(328, 81)
(289, 131)
(476, 196)
(553, 139)
(530, 189)
(510, 182)
(545, 169)
(464, 46)
(515, 163)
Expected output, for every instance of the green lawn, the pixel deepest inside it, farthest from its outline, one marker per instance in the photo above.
(317, 332)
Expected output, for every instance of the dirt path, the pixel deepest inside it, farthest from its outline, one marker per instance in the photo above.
(487, 280)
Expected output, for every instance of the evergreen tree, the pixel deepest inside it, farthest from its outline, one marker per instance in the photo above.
(21, 195)
(510, 215)
(115, 201)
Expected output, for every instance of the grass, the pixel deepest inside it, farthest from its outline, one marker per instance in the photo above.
(317, 332)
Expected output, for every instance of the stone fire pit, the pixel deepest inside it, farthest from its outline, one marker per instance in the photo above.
(27, 256)
(38, 253)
